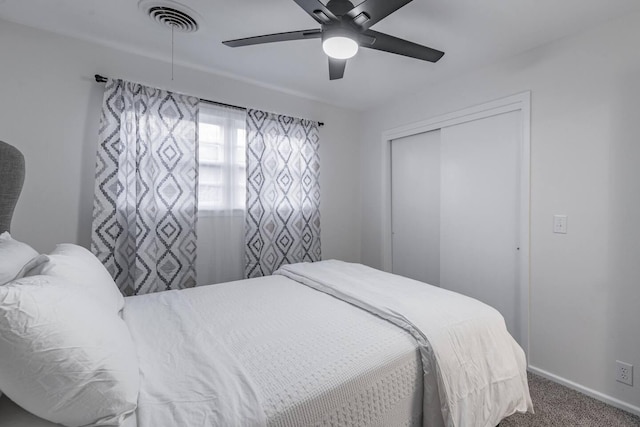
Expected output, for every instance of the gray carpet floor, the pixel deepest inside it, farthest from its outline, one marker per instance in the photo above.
(556, 405)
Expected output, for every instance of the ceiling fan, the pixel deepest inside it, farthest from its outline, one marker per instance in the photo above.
(345, 27)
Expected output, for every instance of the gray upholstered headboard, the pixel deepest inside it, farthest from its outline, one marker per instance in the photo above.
(11, 180)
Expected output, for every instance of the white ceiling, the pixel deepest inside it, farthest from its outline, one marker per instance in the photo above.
(472, 33)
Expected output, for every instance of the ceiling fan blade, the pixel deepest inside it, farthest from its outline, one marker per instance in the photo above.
(278, 37)
(398, 46)
(317, 11)
(369, 12)
(336, 68)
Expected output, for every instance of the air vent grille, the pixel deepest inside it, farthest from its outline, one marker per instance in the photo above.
(173, 18)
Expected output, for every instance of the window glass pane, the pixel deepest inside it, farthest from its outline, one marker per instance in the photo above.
(211, 153)
(210, 193)
(209, 132)
(242, 137)
(210, 175)
(240, 159)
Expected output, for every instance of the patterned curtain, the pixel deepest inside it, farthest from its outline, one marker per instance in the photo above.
(145, 206)
(283, 192)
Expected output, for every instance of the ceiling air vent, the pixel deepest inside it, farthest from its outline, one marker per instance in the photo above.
(170, 14)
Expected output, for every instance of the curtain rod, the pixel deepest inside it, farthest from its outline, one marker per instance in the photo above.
(102, 79)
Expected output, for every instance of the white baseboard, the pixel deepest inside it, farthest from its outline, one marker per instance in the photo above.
(589, 392)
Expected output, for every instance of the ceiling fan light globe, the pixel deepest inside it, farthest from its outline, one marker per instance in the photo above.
(340, 47)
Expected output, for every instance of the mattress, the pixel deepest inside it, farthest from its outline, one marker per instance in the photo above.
(311, 359)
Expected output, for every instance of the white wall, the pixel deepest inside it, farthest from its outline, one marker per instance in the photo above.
(50, 106)
(585, 157)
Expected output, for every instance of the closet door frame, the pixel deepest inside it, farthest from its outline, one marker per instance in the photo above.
(518, 102)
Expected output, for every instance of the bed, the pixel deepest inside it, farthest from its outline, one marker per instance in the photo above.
(328, 343)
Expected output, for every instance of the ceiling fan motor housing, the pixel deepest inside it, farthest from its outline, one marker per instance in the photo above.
(339, 30)
(339, 7)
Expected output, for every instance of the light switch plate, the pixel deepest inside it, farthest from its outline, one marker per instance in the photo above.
(560, 224)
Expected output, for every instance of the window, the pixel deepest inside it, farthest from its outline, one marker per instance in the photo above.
(222, 168)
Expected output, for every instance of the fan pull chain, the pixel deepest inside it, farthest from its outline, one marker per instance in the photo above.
(172, 28)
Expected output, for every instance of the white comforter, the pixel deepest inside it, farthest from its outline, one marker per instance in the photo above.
(189, 376)
(270, 349)
(481, 370)
(271, 352)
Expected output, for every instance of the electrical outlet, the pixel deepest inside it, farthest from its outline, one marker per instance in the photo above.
(624, 373)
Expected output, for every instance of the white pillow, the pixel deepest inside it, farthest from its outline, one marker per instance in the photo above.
(31, 266)
(77, 265)
(13, 256)
(64, 356)
(14, 253)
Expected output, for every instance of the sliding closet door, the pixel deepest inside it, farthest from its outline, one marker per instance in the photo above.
(415, 193)
(480, 211)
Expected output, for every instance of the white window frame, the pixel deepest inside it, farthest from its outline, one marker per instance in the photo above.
(231, 159)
